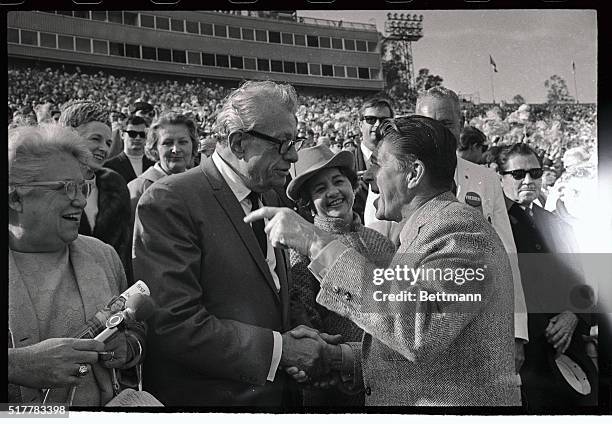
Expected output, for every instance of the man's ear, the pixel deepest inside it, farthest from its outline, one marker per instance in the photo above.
(235, 142)
(414, 177)
(14, 201)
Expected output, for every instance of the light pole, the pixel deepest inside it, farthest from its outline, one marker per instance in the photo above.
(403, 29)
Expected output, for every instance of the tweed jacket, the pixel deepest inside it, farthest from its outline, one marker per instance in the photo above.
(99, 275)
(433, 353)
(211, 338)
(373, 245)
(121, 165)
(113, 218)
(478, 187)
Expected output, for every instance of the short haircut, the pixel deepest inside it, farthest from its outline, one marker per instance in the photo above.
(135, 120)
(31, 147)
(242, 107)
(303, 198)
(518, 149)
(440, 92)
(418, 137)
(170, 118)
(80, 112)
(377, 102)
(471, 136)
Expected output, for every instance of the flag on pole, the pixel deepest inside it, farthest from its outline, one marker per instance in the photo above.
(573, 66)
(493, 65)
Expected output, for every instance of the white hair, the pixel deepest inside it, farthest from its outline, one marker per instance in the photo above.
(30, 149)
(242, 106)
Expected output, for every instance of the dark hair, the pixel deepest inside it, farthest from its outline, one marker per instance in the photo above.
(136, 120)
(305, 202)
(377, 102)
(506, 152)
(490, 155)
(418, 137)
(471, 136)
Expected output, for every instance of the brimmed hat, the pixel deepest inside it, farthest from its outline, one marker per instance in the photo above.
(313, 159)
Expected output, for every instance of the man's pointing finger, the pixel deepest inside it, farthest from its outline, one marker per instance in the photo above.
(266, 212)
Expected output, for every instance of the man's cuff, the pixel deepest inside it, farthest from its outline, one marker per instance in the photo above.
(277, 351)
(320, 264)
(347, 370)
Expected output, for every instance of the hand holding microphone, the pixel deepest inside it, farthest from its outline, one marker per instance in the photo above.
(118, 349)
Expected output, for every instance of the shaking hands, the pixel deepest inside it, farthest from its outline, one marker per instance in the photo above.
(311, 356)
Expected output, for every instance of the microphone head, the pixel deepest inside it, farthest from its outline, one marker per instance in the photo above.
(140, 307)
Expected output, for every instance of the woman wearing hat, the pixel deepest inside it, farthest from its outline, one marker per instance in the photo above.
(325, 184)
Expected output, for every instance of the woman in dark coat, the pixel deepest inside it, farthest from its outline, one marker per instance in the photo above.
(107, 213)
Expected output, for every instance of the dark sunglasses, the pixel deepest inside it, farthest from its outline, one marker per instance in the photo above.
(519, 174)
(283, 145)
(371, 120)
(134, 134)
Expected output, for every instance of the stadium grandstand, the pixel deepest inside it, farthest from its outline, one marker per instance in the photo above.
(315, 54)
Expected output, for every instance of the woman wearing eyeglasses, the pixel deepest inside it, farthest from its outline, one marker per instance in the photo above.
(107, 214)
(58, 278)
(172, 142)
(325, 184)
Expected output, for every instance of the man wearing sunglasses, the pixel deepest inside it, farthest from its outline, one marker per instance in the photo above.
(373, 112)
(220, 334)
(548, 273)
(132, 162)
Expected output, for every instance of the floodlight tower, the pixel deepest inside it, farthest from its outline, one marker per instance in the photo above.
(403, 29)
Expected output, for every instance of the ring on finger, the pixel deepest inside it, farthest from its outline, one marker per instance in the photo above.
(82, 371)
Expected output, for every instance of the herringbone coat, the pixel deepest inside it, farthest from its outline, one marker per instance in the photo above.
(424, 353)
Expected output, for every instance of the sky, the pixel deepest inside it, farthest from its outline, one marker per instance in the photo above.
(528, 46)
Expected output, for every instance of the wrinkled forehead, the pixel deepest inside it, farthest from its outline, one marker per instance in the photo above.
(274, 119)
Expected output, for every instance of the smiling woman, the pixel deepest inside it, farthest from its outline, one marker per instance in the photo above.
(51, 266)
(107, 213)
(325, 183)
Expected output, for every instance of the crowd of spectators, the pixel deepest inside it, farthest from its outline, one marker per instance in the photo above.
(551, 129)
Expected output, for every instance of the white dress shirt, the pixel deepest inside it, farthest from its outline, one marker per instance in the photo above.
(91, 208)
(136, 162)
(241, 191)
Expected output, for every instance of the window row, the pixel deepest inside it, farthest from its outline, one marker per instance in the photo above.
(224, 31)
(104, 47)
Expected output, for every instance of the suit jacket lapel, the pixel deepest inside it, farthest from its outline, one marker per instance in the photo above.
(422, 216)
(234, 211)
(127, 166)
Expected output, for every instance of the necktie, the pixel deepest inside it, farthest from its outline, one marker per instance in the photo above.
(258, 226)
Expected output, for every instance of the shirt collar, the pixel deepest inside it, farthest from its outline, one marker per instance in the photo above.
(233, 180)
(367, 153)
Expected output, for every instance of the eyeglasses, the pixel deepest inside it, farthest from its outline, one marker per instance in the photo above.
(371, 120)
(519, 174)
(284, 145)
(134, 134)
(71, 188)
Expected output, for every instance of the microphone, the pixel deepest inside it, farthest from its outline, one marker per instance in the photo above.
(139, 307)
(97, 323)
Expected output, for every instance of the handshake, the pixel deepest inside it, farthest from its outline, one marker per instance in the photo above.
(312, 357)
